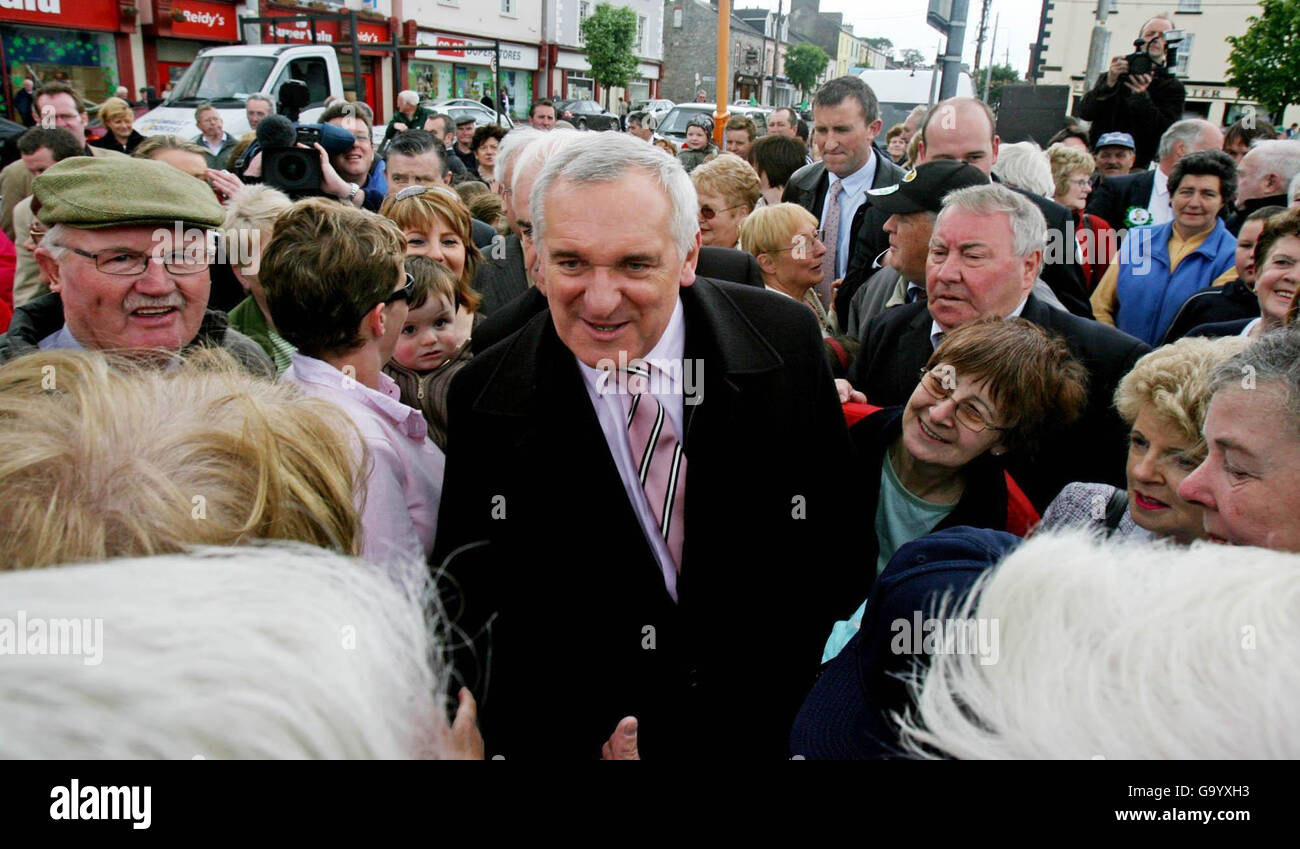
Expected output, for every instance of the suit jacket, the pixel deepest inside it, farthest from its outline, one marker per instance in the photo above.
(549, 577)
(719, 263)
(897, 346)
(1115, 196)
(501, 276)
(1061, 271)
(867, 237)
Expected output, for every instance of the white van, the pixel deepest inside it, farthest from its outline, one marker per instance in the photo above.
(226, 76)
(899, 92)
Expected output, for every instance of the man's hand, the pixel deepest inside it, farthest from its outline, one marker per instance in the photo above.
(466, 741)
(621, 745)
(848, 395)
(1137, 83)
(835, 287)
(225, 184)
(1118, 68)
(331, 183)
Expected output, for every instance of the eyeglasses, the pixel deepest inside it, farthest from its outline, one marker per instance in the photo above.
(1082, 182)
(406, 293)
(707, 212)
(129, 263)
(410, 192)
(936, 386)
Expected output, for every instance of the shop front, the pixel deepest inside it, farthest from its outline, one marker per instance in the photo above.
(456, 70)
(180, 29)
(83, 42)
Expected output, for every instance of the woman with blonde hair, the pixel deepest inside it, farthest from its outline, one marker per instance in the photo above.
(139, 461)
(787, 244)
(1072, 179)
(248, 226)
(728, 191)
(117, 117)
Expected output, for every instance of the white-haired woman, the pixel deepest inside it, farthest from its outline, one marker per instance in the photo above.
(1023, 165)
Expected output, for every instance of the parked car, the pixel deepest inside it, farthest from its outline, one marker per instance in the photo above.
(673, 125)
(655, 110)
(458, 107)
(586, 115)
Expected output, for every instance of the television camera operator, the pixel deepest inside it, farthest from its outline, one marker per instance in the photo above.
(334, 158)
(1139, 93)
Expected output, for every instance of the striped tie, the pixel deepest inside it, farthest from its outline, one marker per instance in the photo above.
(661, 463)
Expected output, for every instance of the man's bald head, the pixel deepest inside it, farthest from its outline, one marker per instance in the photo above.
(962, 129)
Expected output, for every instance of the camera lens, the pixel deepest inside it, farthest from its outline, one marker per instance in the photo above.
(293, 168)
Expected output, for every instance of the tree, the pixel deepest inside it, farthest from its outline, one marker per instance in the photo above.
(882, 44)
(610, 32)
(911, 58)
(804, 63)
(1265, 62)
(1001, 75)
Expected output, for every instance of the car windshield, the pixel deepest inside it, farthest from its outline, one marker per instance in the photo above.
(675, 121)
(221, 80)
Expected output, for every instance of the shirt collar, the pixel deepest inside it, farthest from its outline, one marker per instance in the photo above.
(1162, 184)
(857, 182)
(386, 400)
(937, 333)
(671, 347)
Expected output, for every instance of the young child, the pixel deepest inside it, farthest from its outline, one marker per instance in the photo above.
(432, 346)
(697, 148)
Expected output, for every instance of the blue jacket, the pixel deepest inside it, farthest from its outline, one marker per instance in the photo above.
(1148, 302)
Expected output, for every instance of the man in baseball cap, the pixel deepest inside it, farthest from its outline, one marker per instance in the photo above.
(1115, 154)
(127, 254)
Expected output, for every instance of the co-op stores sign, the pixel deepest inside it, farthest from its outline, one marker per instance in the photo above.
(451, 48)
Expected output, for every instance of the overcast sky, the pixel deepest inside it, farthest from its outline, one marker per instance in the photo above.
(903, 22)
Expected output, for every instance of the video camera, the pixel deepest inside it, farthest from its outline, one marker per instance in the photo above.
(286, 166)
(1140, 61)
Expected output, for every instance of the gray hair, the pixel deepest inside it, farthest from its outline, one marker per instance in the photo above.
(1272, 358)
(534, 154)
(511, 146)
(1187, 132)
(596, 158)
(1028, 227)
(1276, 156)
(1025, 166)
(262, 97)
(52, 241)
(408, 97)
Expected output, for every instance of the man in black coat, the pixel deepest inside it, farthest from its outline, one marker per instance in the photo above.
(557, 554)
(1142, 105)
(963, 128)
(846, 120)
(984, 257)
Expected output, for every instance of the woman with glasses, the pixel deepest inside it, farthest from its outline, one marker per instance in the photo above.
(1072, 175)
(1159, 268)
(992, 388)
(788, 246)
(727, 190)
(1163, 400)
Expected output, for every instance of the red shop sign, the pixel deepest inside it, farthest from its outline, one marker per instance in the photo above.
(299, 32)
(78, 14)
(200, 19)
(372, 33)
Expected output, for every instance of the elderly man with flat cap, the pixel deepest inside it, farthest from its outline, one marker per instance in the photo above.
(119, 279)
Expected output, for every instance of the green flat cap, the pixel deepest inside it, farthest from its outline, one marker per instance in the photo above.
(92, 192)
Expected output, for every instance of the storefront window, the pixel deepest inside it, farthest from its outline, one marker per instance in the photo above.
(578, 87)
(86, 60)
(431, 79)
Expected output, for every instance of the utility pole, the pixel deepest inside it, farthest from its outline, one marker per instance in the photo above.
(1097, 47)
(979, 43)
(720, 113)
(993, 48)
(953, 51)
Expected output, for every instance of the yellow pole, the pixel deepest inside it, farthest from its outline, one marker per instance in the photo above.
(720, 114)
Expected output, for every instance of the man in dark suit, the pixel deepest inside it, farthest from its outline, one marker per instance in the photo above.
(984, 256)
(567, 545)
(964, 128)
(1141, 199)
(846, 120)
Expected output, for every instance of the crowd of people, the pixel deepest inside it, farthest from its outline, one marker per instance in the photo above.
(722, 425)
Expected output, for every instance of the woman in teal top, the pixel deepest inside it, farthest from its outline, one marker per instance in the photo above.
(992, 387)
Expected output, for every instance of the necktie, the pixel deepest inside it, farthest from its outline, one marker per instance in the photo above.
(660, 461)
(830, 238)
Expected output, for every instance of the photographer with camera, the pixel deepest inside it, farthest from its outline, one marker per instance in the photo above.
(1138, 94)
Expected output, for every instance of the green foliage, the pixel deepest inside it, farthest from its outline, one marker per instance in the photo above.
(804, 63)
(882, 44)
(912, 58)
(1002, 74)
(610, 32)
(1265, 62)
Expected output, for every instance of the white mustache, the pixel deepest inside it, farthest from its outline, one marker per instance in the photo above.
(134, 302)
